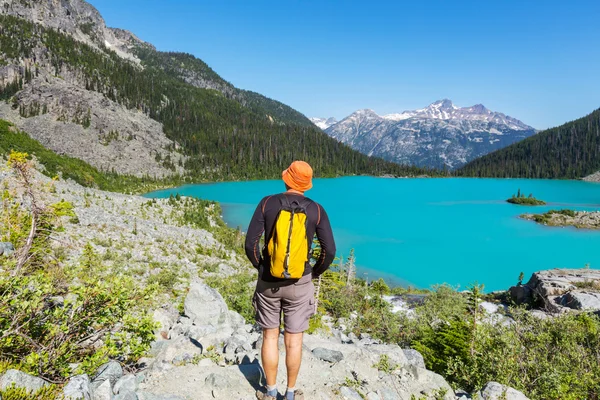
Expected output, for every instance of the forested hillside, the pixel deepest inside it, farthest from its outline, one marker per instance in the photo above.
(225, 133)
(570, 151)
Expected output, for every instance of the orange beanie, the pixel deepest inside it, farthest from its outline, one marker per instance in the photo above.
(298, 176)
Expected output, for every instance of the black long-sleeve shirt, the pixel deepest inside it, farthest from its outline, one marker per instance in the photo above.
(264, 219)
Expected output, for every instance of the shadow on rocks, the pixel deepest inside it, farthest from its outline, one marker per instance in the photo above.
(253, 373)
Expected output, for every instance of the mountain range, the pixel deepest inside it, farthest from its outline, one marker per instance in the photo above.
(440, 135)
(104, 96)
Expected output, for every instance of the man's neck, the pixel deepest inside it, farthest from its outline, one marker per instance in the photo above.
(294, 191)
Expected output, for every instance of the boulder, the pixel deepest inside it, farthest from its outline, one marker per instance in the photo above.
(589, 301)
(6, 249)
(111, 371)
(21, 380)
(77, 388)
(497, 391)
(332, 356)
(205, 306)
(393, 351)
(237, 344)
(414, 358)
(103, 391)
(127, 383)
(166, 318)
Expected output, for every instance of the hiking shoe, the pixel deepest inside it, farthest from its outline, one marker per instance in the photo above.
(260, 395)
(298, 395)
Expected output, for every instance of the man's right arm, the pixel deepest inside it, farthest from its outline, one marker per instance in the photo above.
(253, 235)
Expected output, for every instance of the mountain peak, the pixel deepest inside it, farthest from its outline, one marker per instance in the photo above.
(444, 104)
(479, 109)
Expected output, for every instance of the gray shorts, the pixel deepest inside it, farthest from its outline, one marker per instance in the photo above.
(296, 301)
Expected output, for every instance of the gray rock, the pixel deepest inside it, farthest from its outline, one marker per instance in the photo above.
(394, 352)
(199, 332)
(584, 300)
(127, 383)
(150, 396)
(166, 317)
(6, 249)
(388, 394)
(111, 371)
(332, 356)
(349, 394)
(547, 284)
(21, 380)
(103, 391)
(497, 391)
(345, 339)
(78, 387)
(126, 396)
(414, 358)
(373, 396)
(217, 381)
(205, 306)
(236, 344)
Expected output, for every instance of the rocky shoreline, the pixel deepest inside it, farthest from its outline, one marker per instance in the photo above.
(577, 219)
(593, 178)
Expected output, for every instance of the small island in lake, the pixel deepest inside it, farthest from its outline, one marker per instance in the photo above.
(520, 199)
(578, 219)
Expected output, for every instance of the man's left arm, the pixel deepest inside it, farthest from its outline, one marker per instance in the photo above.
(325, 238)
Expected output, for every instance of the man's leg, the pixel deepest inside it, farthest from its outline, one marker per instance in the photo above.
(270, 354)
(293, 356)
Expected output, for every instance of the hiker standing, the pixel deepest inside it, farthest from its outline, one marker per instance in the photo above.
(289, 221)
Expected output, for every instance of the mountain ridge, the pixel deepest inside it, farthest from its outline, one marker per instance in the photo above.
(440, 135)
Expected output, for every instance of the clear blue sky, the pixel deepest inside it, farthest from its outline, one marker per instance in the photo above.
(538, 61)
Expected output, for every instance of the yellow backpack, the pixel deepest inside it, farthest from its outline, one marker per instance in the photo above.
(288, 245)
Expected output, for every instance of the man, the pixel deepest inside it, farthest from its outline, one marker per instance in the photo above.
(294, 297)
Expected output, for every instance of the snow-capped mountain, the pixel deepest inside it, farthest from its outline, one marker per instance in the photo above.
(440, 135)
(323, 123)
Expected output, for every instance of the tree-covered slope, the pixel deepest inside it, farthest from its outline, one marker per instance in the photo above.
(196, 72)
(237, 135)
(570, 151)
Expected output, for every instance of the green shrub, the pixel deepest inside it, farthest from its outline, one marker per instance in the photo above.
(167, 278)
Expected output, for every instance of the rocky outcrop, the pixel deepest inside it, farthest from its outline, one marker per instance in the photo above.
(593, 178)
(561, 290)
(78, 18)
(578, 219)
(86, 125)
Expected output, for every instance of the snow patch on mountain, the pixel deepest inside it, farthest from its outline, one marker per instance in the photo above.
(323, 123)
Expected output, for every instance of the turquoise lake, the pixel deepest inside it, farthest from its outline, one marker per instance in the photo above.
(423, 232)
